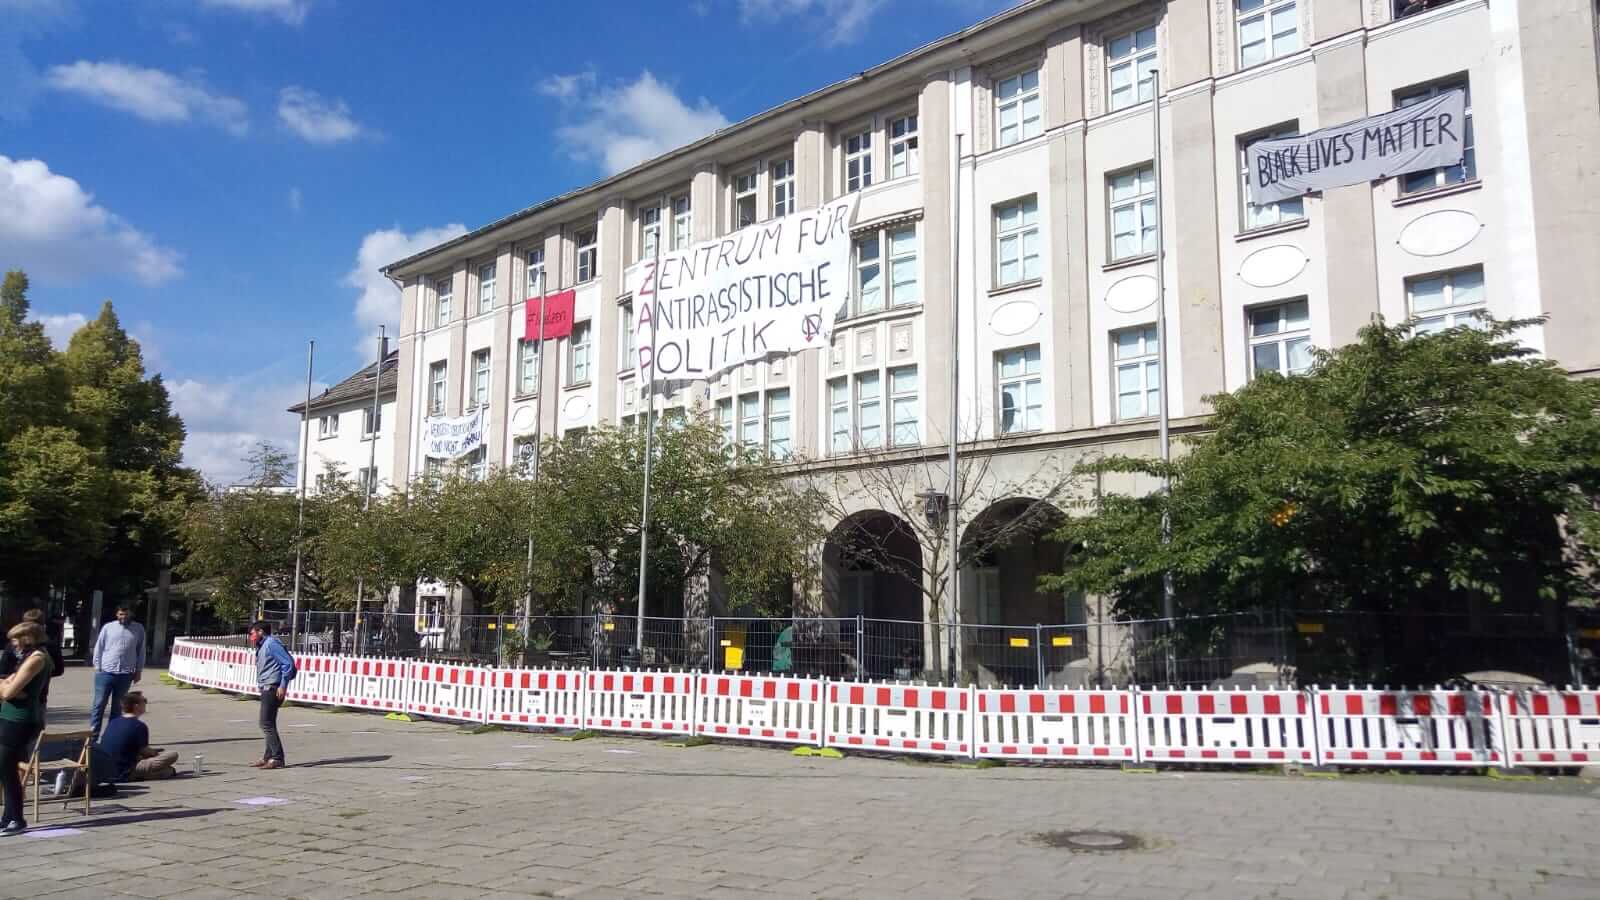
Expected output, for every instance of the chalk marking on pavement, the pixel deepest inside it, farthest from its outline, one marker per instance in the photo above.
(260, 801)
(52, 832)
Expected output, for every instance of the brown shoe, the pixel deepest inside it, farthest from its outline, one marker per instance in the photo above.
(272, 764)
(258, 764)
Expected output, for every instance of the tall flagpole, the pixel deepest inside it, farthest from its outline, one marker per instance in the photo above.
(538, 426)
(371, 485)
(952, 506)
(300, 522)
(1168, 600)
(649, 444)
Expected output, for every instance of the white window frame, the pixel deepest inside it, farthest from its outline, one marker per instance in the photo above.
(327, 426)
(779, 448)
(322, 482)
(857, 147)
(588, 254)
(478, 387)
(682, 222)
(869, 271)
(443, 297)
(1453, 312)
(1018, 236)
(780, 175)
(1028, 356)
(865, 402)
(1144, 360)
(649, 230)
(746, 188)
(486, 285)
(627, 340)
(905, 418)
(1287, 339)
(905, 155)
(1137, 61)
(1026, 126)
(1143, 206)
(522, 454)
(578, 362)
(841, 430)
(1411, 184)
(534, 260)
(750, 419)
(891, 263)
(438, 385)
(367, 480)
(1267, 12)
(725, 423)
(367, 414)
(527, 367)
(476, 463)
(1276, 212)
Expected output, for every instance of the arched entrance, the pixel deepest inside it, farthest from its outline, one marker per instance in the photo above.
(1005, 549)
(872, 568)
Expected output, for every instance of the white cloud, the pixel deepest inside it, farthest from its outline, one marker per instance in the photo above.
(624, 124)
(290, 12)
(225, 419)
(150, 94)
(844, 21)
(61, 328)
(295, 199)
(379, 301)
(50, 226)
(316, 118)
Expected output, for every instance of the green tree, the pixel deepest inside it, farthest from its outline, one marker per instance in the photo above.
(33, 386)
(470, 531)
(1404, 472)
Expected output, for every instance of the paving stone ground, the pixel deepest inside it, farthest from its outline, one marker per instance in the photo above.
(374, 808)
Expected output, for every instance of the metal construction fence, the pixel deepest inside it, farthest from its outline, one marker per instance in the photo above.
(1458, 728)
(1257, 648)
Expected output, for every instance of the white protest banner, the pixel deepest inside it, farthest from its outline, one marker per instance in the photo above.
(450, 438)
(774, 287)
(1420, 136)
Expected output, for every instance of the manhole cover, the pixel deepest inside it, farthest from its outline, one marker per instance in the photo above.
(1088, 840)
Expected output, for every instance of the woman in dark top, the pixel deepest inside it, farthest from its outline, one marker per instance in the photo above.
(21, 718)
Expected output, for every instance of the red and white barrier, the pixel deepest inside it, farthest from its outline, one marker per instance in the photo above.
(642, 702)
(316, 680)
(447, 691)
(378, 684)
(225, 668)
(1226, 727)
(759, 707)
(1095, 726)
(550, 698)
(908, 718)
(1415, 728)
(1552, 728)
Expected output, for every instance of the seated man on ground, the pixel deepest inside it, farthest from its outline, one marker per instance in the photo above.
(126, 746)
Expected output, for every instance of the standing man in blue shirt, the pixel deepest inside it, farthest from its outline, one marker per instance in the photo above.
(274, 670)
(118, 664)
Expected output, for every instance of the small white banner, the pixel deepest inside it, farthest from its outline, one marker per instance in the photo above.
(1420, 136)
(450, 438)
(773, 287)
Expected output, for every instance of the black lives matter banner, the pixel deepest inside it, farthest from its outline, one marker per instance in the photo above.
(1420, 136)
(774, 287)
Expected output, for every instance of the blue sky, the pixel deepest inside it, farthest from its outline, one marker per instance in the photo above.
(231, 173)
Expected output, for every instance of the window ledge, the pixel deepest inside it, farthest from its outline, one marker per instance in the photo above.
(880, 315)
(1269, 230)
(1019, 286)
(327, 437)
(1129, 262)
(577, 385)
(1449, 190)
(532, 395)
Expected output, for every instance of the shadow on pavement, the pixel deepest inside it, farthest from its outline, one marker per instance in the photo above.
(256, 738)
(156, 815)
(342, 761)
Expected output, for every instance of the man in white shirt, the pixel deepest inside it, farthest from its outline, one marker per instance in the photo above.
(118, 664)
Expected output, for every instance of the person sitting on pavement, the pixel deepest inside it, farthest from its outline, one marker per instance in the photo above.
(126, 745)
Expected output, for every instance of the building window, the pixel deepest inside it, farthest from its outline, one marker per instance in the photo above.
(479, 395)
(323, 482)
(588, 255)
(1133, 213)
(436, 388)
(750, 420)
(443, 293)
(745, 190)
(904, 285)
(477, 463)
(1016, 242)
(869, 275)
(527, 367)
(1280, 338)
(371, 420)
(725, 420)
(681, 222)
(869, 410)
(578, 355)
(649, 231)
(535, 259)
(1268, 29)
(1265, 215)
(1446, 301)
(328, 426)
(1137, 363)
(903, 407)
(1467, 169)
(1021, 390)
(779, 439)
(1130, 60)
(627, 345)
(433, 470)
(486, 288)
(522, 451)
(782, 175)
(903, 155)
(858, 161)
(1018, 109)
(839, 415)
(367, 480)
